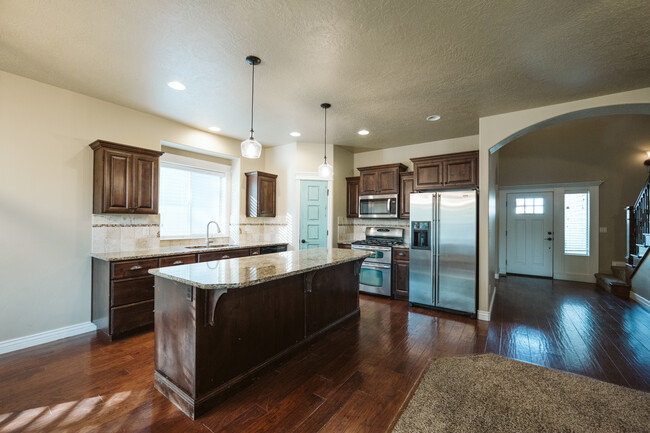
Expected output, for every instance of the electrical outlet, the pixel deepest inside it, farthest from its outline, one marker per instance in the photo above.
(603, 229)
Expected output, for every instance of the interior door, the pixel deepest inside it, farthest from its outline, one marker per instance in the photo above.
(313, 214)
(530, 234)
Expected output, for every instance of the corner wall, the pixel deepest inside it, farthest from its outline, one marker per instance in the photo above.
(46, 195)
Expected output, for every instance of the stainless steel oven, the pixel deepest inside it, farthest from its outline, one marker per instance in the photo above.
(375, 275)
(378, 206)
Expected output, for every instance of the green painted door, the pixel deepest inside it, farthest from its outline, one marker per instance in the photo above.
(313, 214)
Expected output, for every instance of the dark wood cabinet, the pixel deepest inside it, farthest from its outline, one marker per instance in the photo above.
(260, 194)
(380, 179)
(445, 171)
(122, 296)
(123, 291)
(352, 197)
(125, 178)
(400, 273)
(222, 255)
(405, 190)
(345, 246)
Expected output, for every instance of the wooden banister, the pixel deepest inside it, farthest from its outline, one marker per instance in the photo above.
(638, 220)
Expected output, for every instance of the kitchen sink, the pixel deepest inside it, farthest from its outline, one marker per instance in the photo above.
(192, 247)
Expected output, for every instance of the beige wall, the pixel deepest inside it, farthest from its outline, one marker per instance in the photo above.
(404, 153)
(610, 149)
(46, 195)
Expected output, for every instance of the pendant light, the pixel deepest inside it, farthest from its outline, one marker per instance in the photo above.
(325, 169)
(251, 148)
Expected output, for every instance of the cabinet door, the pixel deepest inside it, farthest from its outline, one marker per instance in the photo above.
(223, 255)
(266, 196)
(145, 184)
(117, 181)
(352, 192)
(461, 171)
(428, 174)
(401, 280)
(388, 181)
(405, 190)
(368, 183)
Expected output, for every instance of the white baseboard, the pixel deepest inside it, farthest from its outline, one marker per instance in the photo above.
(485, 315)
(640, 299)
(615, 263)
(45, 337)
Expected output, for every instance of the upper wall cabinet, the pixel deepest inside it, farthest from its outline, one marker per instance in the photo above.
(260, 194)
(445, 171)
(405, 190)
(380, 179)
(125, 179)
(352, 196)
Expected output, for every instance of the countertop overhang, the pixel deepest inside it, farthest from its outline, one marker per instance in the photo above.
(174, 251)
(248, 271)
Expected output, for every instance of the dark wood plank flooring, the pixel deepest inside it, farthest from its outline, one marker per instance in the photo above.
(356, 378)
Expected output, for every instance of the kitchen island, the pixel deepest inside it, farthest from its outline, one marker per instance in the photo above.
(218, 323)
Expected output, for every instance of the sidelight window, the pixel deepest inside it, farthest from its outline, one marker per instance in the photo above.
(576, 224)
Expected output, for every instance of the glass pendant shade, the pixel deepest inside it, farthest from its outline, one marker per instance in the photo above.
(325, 170)
(251, 148)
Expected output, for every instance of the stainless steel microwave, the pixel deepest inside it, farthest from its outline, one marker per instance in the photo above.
(378, 206)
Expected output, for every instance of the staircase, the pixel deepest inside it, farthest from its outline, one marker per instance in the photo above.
(638, 244)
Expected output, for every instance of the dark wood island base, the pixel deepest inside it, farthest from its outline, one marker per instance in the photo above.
(210, 342)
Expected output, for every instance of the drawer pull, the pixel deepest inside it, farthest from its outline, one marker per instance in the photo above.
(400, 254)
(225, 257)
(136, 268)
(178, 262)
(254, 254)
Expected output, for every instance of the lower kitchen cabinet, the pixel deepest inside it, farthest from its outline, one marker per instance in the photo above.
(123, 291)
(400, 273)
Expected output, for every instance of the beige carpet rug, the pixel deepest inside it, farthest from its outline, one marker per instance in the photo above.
(489, 393)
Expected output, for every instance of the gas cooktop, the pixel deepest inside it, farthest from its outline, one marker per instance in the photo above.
(377, 242)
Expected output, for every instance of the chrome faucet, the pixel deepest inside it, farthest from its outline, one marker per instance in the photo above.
(207, 232)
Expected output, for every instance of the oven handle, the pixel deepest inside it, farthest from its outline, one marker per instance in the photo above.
(373, 266)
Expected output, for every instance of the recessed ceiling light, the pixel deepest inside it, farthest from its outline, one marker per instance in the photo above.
(433, 118)
(294, 134)
(176, 85)
(214, 129)
(364, 132)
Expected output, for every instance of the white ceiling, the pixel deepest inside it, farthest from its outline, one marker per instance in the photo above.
(384, 65)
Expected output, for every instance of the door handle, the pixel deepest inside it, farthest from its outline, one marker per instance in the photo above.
(303, 241)
(549, 239)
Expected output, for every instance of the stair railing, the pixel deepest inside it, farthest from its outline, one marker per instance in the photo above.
(638, 220)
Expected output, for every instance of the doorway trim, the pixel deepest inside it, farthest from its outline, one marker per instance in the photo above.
(330, 203)
(563, 266)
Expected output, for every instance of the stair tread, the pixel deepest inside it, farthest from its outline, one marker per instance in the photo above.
(611, 280)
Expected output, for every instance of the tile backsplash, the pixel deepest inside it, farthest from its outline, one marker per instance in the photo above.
(113, 233)
(354, 229)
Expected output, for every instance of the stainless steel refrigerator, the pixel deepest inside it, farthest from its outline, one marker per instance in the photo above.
(443, 250)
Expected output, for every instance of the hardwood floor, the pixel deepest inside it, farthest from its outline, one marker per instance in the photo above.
(356, 378)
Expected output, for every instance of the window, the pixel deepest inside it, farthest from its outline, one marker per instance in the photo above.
(192, 193)
(529, 206)
(576, 224)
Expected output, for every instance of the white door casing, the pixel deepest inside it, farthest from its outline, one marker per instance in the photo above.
(529, 233)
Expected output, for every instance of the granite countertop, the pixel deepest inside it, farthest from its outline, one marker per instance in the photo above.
(173, 251)
(247, 271)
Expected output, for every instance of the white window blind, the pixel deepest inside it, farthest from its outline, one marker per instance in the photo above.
(190, 197)
(576, 224)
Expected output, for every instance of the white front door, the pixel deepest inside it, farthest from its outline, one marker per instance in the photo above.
(530, 234)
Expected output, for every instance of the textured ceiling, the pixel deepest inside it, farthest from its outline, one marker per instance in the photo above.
(383, 65)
